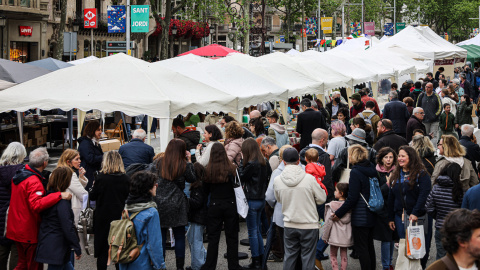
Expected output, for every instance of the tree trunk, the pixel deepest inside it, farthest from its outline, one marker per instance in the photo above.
(58, 49)
(165, 29)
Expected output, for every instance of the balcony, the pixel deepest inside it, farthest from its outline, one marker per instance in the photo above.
(23, 7)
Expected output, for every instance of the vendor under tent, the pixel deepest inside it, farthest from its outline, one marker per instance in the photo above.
(248, 87)
(118, 83)
(473, 41)
(50, 64)
(212, 50)
(83, 60)
(15, 73)
(473, 52)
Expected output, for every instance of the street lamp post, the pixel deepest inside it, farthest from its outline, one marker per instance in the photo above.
(3, 22)
(212, 32)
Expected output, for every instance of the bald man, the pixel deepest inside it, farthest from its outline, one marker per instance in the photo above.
(319, 143)
(258, 114)
(431, 104)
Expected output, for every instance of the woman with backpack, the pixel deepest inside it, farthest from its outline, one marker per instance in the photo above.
(109, 192)
(446, 196)
(146, 221)
(363, 220)
(386, 163)
(409, 189)
(173, 170)
(57, 235)
(222, 208)
(254, 173)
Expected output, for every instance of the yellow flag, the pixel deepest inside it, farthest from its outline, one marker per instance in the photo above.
(334, 42)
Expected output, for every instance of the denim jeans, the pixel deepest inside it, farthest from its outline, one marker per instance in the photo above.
(195, 241)
(387, 254)
(400, 227)
(321, 245)
(438, 243)
(255, 209)
(67, 266)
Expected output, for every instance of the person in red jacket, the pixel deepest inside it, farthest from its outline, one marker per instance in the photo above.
(27, 201)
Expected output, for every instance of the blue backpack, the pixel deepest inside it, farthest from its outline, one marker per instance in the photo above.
(375, 203)
(477, 81)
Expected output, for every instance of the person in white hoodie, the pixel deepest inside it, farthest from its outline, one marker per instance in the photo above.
(299, 194)
(276, 131)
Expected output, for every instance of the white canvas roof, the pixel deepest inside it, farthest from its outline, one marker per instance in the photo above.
(424, 41)
(473, 41)
(117, 83)
(248, 87)
(83, 60)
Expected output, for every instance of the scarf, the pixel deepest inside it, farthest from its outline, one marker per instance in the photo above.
(139, 207)
(382, 169)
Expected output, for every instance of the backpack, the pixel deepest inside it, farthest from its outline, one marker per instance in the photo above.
(368, 120)
(477, 80)
(122, 240)
(375, 203)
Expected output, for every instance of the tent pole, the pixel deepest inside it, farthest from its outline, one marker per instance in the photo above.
(70, 127)
(125, 133)
(20, 126)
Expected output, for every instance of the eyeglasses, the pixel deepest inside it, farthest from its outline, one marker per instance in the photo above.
(420, 113)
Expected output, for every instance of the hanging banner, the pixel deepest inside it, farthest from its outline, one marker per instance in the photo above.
(369, 28)
(400, 26)
(444, 62)
(116, 19)
(311, 26)
(326, 24)
(356, 28)
(140, 18)
(388, 29)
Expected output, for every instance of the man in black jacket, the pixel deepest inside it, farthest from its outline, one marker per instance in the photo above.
(397, 112)
(387, 137)
(319, 142)
(415, 122)
(334, 106)
(467, 86)
(308, 121)
(468, 141)
(190, 137)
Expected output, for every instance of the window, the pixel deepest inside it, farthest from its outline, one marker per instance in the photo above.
(25, 3)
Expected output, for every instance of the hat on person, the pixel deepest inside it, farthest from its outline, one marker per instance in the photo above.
(357, 134)
(290, 155)
(456, 81)
(356, 96)
(409, 81)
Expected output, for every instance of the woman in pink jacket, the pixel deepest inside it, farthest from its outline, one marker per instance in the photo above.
(233, 141)
(338, 234)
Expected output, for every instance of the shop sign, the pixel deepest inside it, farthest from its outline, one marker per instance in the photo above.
(90, 18)
(140, 18)
(444, 62)
(26, 31)
(459, 60)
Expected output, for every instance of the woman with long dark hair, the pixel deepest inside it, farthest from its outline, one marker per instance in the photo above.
(91, 152)
(174, 169)
(254, 173)
(212, 134)
(410, 186)
(257, 127)
(386, 163)
(222, 209)
(446, 196)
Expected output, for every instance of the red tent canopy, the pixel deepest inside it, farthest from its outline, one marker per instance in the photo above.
(213, 50)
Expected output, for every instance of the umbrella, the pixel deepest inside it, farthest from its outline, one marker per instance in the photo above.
(213, 50)
(50, 64)
(18, 73)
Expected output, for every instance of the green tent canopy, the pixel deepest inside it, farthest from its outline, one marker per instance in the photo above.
(473, 53)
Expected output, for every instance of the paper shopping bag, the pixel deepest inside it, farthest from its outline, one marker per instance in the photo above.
(403, 262)
(415, 246)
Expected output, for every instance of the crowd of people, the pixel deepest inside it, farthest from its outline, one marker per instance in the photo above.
(420, 147)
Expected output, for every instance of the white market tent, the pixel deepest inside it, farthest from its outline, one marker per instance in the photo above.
(473, 41)
(424, 41)
(83, 60)
(249, 88)
(356, 44)
(118, 83)
(292, 52)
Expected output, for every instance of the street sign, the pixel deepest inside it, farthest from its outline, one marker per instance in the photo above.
(116, 19)
(326, 24)
(400, 26)
(282, 38)
(140, 18)
(90, 18)
(69, 42)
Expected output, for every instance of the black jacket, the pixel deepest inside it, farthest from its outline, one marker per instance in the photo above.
(198, 206)
(359, 183)
(432, 105)
(473, 150)
(109, 192)
(191, 139)
(91, 156)
(255, 178)
(307, 122)
(403, 93)
(341, 105)
(429, 161)
(172, 203)
(57, 233)
(390, 139)
(6, 175)
(468, 89)
(414, 95)
(324, 159)
(341, 162)
(440, 200)
(413, 124)
(397, 112)
(382, 230)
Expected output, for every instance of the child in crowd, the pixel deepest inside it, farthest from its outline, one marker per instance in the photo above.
(447, 121)
(338, 234)
(314, 168)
